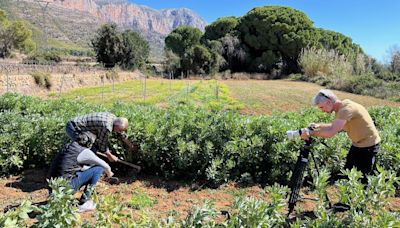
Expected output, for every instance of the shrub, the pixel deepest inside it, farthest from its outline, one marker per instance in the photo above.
(43, 58)
(42, 79)
(17, 217)
(322, 62)
(251, 212)
(61, 210)
(184, 141)
(112, 75)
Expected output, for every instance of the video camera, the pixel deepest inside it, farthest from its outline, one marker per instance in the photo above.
(292, 134)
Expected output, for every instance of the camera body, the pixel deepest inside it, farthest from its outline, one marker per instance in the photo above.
(293, 134)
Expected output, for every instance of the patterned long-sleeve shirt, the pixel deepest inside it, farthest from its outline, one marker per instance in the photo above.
(99, 123)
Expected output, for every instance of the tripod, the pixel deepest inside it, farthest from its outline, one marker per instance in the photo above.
(296, 180)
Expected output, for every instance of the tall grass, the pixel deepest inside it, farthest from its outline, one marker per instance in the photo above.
(351, 74)
(321, 62)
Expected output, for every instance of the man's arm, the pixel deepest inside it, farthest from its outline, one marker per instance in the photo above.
(124, 138)
(89, 158)
(326, 130)
(103, 145)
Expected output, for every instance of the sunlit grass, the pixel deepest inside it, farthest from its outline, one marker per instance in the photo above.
(148, 91)
(247, 96)
(267, 96)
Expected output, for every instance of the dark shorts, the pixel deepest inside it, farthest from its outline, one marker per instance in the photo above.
(363, 159)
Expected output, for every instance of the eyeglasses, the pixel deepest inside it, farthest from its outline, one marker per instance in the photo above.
(322, 94)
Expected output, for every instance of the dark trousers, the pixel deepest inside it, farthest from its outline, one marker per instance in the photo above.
(71, 131)
(87, 178)
(363, 159)
(73, 134)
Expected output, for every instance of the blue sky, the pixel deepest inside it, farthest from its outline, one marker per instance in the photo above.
(373, 24)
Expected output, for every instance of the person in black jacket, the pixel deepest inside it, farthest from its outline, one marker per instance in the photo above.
(78, 164)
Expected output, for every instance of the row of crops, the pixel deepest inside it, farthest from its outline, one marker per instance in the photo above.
(196, 144)
(185, 141)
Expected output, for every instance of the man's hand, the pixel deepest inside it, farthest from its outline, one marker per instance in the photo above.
(315, 126)
(109, 173)
(111, 157)
(305, 134)
(132, 147)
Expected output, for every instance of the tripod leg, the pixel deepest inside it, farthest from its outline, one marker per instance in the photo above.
(296, 182)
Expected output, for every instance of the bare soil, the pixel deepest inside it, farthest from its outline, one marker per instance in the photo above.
(172, 197)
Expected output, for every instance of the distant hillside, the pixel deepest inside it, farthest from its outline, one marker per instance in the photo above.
(73, 22)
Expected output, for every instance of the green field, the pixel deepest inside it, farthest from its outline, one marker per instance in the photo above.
(249, 96)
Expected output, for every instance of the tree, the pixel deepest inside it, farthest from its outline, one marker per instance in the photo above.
(108, 45)
(276, 34)
(183, 38)
(200, 58)
(394, 53)
(340, 43)
(135, 50)
(181, 41)
(233, 52)
(220, 28)
(217, 60)
(172, 61)
(14, 35)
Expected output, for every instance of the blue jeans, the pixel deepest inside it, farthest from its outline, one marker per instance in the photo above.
(87, 178)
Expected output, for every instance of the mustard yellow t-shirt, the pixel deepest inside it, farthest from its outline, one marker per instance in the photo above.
(359, 125)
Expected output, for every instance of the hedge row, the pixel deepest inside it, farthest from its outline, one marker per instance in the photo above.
(185, 141)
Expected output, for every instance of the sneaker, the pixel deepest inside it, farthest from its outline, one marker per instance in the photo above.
(87, 206)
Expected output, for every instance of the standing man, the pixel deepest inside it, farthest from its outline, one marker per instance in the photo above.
(101, 124)
(356, 121)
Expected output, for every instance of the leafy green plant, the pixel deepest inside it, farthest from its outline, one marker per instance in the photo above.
(251, 212)
(42, 79)
(203, 216)
(17, 217)
(110, 211)
(60, 210)
(140, 200)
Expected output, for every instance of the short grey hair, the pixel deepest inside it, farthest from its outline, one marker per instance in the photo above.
(324, 95)
(121, 122)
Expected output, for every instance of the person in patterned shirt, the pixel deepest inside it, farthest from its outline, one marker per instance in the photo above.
(102, 124)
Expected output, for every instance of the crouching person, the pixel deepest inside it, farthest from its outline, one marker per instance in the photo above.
(78, 164)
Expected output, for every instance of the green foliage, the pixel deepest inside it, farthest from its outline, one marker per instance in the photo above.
(322, 62)
(185, 141)
(172, 61)
(61, 210)
(200, 59)
(251, 212)
(108, 44)
(182, 39)
(140, 200)
(135, 50)
(43, 57)
(128, 49)
(17, 217)
(14, 35)
(233, 52)
(342, 44)
(274, 34)
(110, 211)
(221, 27)
(112, 75)
(42, 79)
(335, 71)
(203, 216)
